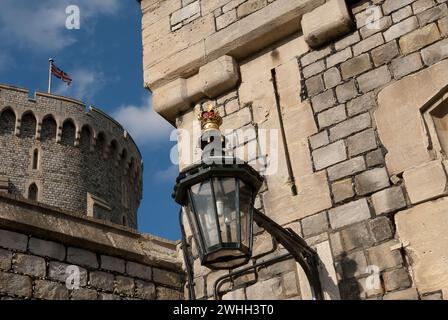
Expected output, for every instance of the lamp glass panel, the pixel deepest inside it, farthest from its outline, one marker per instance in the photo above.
(226, 206)
(245, 212)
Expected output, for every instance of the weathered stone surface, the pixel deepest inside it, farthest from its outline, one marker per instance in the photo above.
(332, 78)
(337, 22)
(329, 155)
(382, 256)
(315, 224)
(403, 66)
(401, 14)
(60, 272)
(263, 244)
(426, 181)
(112, 264)
(388, 200)
(185, 12)
(383, 24)
(361, 104)
(315, 55)
(396, 279)
(238, 294)
(368, 44)
(417, 226)
(350, 126)
(15, 284)
(314, 85)
(350, 213)
(407, 145)
(5, 259)
(371, 181)
(354, 264)
(271, 289)
(224, 20)
(432, 14)
(164, 293)
(339, 57)
(436, 52)
(331, 116)
(361, 142)
(342, 190)
(314, 69)
(380, 229)
(346, 168)
(356, 66)
(385, 53)
(323, 101)
(82, 257)
(84, 294)
(408, 294)
(356, 236)
(432, 296)
(13, 240)
(346, 91)
(49, 290)
(419, 38)
(124, 285)
(47, 248)
(138, 270)
(347, 41)
(375, 158)
(30, 265)
(319, 140)
(102, 280)
(374, 79)
(422, 5)
(397, 30)
(166, 277)
(145, 290)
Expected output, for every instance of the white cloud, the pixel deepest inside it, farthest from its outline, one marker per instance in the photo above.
(40, 25)
(85, 84)
(143, 123)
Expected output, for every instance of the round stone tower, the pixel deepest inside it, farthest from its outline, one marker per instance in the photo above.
(54, 152)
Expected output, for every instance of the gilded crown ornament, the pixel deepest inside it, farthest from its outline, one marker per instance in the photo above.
(210, 119)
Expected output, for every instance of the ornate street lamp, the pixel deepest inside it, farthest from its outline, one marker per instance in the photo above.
(218, 194)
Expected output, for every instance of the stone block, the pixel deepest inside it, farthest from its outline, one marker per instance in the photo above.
(371, 181)
(443, 26)
(185, 13)
(368, 44)
(15, 285)
(319, 140)
(405, 65)
(402, 14)
(356, 236)
(5, 259)
(238, 294)
(47, 248)
(346, 168)
(30, 265)
(315, 55)
(331, 116)
(271, 289)
(432, 14)
(422, 5)
(361, 142)
(336, 244)
(145, 290)
(49, 290)
(124, 285)
(385, 53)
(382, 24)
(356, 66)
(354, 264)
(436, 52)
(314, 85)
(396, 279)
(332, 78)
(337, 23)
(383, 257)
(419, 38)
(323, 101)
(361, 104)
(389, 200)
(380, 229)
(84, 294)
(349, 213)
(211, 279)
(315, 224)
(408, 294)
(102, 280)
(400, 29)
(226, 19)
(13, 240)
(350, 126)
(374, 158)
(263, 244)
(433, 296)
(219, 76)
(112, 264)
(168, 294)
(329, 155)
(166, 277)
(426, 181)
(138, 270)
(342, 190)
(346, 91)
(392, 5)
(314, 69)
(249, 7)
(374, 79)
(199, 288)
(60, 272)
(82, 257)
(339, 57)
(347, 41)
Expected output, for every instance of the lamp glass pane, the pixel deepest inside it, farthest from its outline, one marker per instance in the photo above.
(226, 206)
(245, 212)
(205, 212)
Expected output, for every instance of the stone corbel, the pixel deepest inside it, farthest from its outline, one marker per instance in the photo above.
(212, 80)
(326, 23)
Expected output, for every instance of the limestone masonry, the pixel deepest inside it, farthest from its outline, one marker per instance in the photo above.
(362, 91)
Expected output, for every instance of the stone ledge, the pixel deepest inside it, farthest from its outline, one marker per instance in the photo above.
(71, 229)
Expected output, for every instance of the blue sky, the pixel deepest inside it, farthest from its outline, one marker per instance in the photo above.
(104, 58)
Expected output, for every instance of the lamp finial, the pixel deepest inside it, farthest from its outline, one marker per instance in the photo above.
(210, 119)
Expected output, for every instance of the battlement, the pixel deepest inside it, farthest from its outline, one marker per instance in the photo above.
(59, 137)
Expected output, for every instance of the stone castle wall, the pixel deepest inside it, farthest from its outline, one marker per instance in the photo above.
(79, 161)
(54, 255)
(362, 89)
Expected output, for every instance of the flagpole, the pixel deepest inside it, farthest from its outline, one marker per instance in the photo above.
(50, 61)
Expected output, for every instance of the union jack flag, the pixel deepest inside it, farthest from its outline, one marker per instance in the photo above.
(58, 73)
